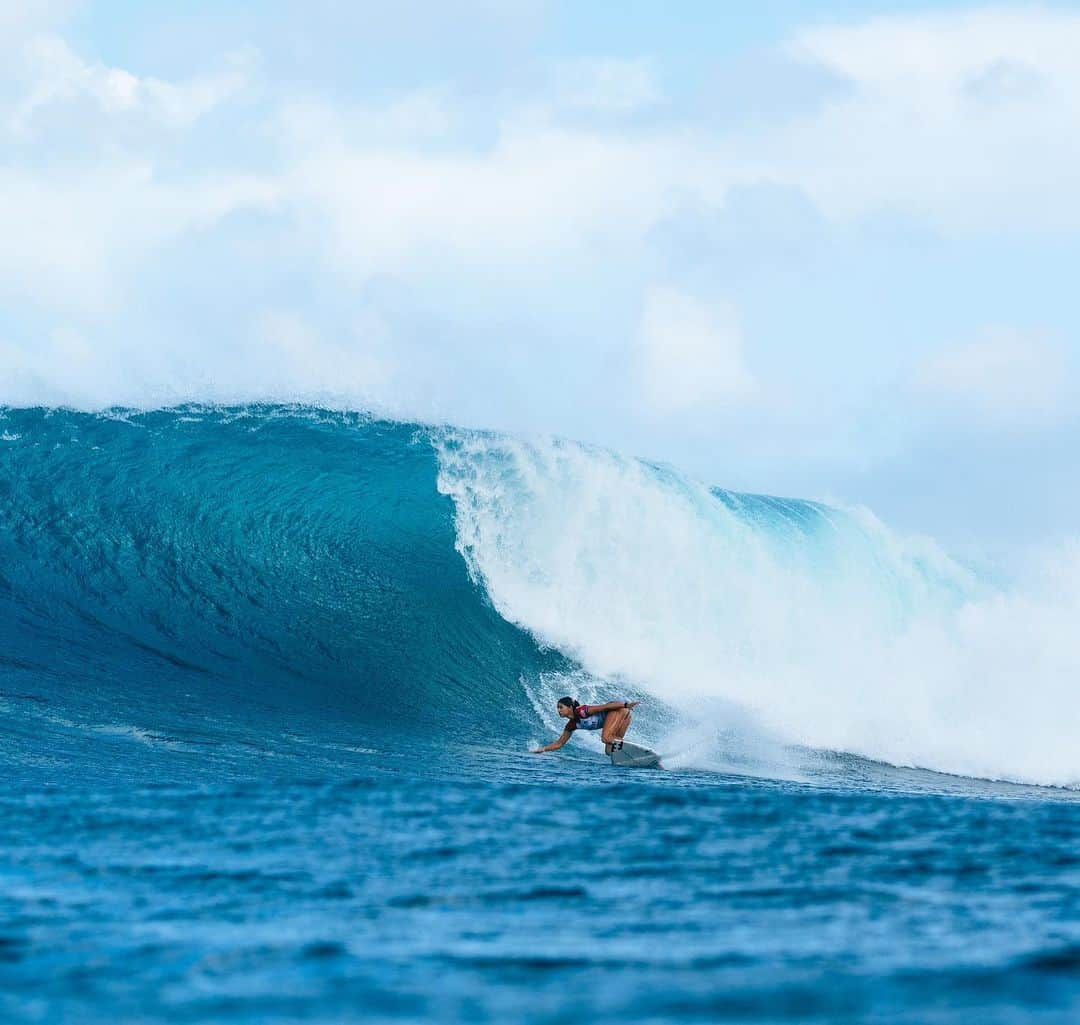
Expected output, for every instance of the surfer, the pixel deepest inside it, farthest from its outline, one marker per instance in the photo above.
(613, 719)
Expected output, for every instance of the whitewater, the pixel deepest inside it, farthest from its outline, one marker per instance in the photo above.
(832, 630)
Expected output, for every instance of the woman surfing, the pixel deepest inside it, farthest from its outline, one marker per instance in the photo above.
(613, 719)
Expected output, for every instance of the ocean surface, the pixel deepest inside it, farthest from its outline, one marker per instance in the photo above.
(269, 677)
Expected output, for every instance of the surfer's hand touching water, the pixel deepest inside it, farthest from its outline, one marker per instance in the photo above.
(613, 718)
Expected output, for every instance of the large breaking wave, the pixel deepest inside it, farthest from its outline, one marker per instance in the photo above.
(274, 561)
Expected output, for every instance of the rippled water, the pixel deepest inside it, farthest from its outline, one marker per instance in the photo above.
(496, 887)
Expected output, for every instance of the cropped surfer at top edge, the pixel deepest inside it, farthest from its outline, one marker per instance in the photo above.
(612, 718)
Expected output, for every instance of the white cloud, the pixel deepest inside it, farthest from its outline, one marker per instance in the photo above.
(84, 203)
(964, 119)
(405, 121)
(71, 238)
(1005, 81)
(1003, 375)
(28, 17)
(690, 353)
(53, 76)
(541, 194)
(606, 84)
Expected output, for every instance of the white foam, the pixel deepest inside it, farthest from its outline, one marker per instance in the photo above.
(823, 626)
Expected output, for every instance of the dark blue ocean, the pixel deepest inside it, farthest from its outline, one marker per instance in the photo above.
(268, 681)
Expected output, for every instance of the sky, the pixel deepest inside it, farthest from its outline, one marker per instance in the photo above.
(816, 249)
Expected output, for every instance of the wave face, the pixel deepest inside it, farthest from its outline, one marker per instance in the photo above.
(255, 560)
(197, 564)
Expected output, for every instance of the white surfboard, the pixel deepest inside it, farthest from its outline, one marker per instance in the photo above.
(630, 756)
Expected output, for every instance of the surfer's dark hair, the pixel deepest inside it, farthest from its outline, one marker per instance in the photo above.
(573, 706)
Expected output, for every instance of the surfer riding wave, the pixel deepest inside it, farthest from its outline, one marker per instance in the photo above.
(612, 718)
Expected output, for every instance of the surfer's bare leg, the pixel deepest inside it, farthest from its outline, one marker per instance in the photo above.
(616, 724)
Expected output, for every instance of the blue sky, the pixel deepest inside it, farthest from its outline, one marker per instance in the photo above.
(817, 249)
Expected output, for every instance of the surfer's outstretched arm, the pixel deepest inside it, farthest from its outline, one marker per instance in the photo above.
(613, 706)
(566, 734)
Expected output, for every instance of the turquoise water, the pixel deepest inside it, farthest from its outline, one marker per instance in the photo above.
(268, 678)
